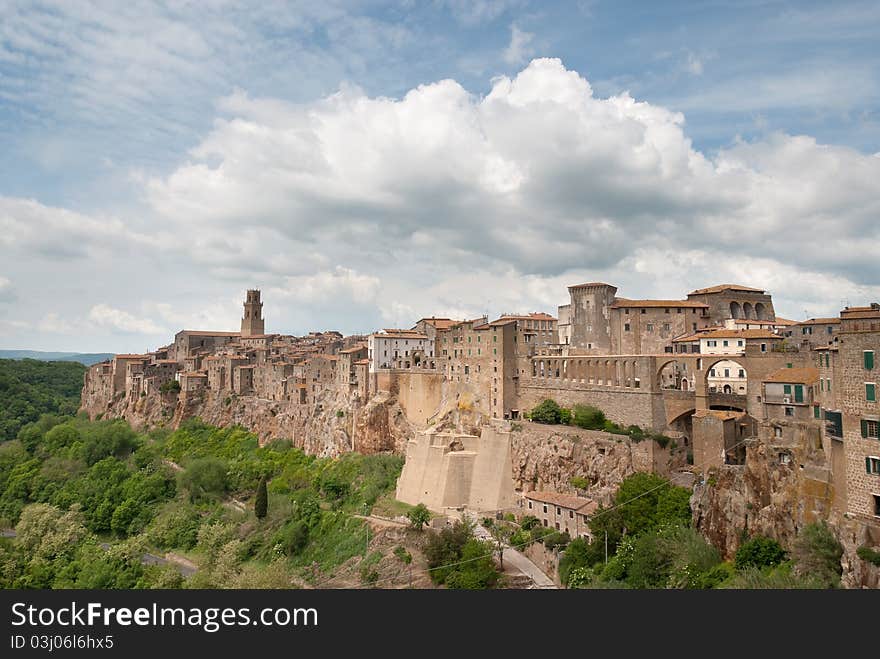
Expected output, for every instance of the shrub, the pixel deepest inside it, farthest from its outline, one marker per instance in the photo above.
(759, 552)
(419, 516)
(817, 553)
(205, 477)
(292, 538)
(591, 418)
(870, 555)
(579, 482)
(546, 412)
(564, 415)
(171, 386)
(528, 522)
(339, 414)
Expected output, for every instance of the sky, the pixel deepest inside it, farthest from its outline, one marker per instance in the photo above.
(369, 163)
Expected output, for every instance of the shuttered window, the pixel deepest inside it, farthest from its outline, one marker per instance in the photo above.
(869, 359)
(870, 391)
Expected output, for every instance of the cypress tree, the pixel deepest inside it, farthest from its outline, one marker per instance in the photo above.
(261, 502)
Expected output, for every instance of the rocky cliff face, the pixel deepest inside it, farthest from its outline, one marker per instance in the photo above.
(547, 457)
(334, 424)
(774, 498)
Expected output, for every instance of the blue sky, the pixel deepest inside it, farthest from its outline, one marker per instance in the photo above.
(159, 158)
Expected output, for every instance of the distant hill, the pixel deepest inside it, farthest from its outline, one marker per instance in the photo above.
(86, 358)
(30, 387)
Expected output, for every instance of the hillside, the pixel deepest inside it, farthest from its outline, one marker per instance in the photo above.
(30, 388)
(85, 358)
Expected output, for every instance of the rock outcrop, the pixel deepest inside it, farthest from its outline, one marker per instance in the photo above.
(334, 424)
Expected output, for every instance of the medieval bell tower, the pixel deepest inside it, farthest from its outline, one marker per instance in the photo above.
(252, 322)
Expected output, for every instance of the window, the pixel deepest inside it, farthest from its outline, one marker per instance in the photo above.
(786, 388)
(870, 428)
(777, 432)
(557, 526)
(626, 327)
(711, 344)
(816, 412)
(666, 327)
(870, 391)
(828, 384)
(643, 311)
(739, 343)
(763, 347)
(742, 373)
(545, 521)
(869, 359)
(789, 411)
(649, 327)
(725, 343)
(545, 507)
(872, 465)
(827, 359)
(571, 514)
(821, 384)
(727, 372)
(876, 505)
(666, 310)
(712, 372)
(558, 511)
(530, 505)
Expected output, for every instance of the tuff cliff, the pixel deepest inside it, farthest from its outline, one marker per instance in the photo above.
(780, 488)
(334, 424)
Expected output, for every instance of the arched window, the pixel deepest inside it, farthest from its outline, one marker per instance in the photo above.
(735, 310)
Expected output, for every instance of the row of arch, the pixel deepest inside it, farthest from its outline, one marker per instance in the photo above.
(607, 372)
(747, 311)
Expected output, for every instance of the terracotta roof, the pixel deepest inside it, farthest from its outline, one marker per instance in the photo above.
(752, 321)
(362, 361)
(131, 356)
(725, 287)
(591, 284)
(804, 375)
(258, 336)
(568, 501)
(194, 375)
(738, 334)
(438, 323)
(246, 366)
(354, 349)
(860, 312)
(621, 302)
(819, 321)
(399, 334)
(689, 338)
(719, 414)
(784, 321)
(535, 315)
(165, 361)
(206, 333)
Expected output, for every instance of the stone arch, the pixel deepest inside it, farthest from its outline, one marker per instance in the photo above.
(738, 384)
(676, 377)
(735, 310)
(760, 311)
(748, 310)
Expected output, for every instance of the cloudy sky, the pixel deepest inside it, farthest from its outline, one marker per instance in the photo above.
(368, 163)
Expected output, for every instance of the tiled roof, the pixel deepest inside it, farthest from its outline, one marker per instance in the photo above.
(804, 375)
(784, 321)
(207, 333)
(719, 414)
(398, 334)
(591, 284)
(621, 302)
(819, 321)
(131, 356)
(194, 374)
(725, 287)
(568, 501)
(738, 334)
(353, 349)
(438, 323)
(535, 315)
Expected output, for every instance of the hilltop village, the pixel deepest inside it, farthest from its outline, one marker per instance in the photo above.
(743, 394)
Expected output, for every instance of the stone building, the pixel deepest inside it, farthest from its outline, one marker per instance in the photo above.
(813, 333)
(734, 301)
(791, 393)
(252, 323)
(854, 428)
(389, 344)
(564, 512)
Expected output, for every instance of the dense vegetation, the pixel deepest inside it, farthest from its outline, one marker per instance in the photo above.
(87, 500)
(591, 418)
(30, 388)
(651, 544)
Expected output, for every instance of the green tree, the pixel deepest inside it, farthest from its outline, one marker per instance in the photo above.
(586, 416)
(261, 500)
(759, 552)
(547, 411)
(419, 516)
(816, 553)
(205, 477)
